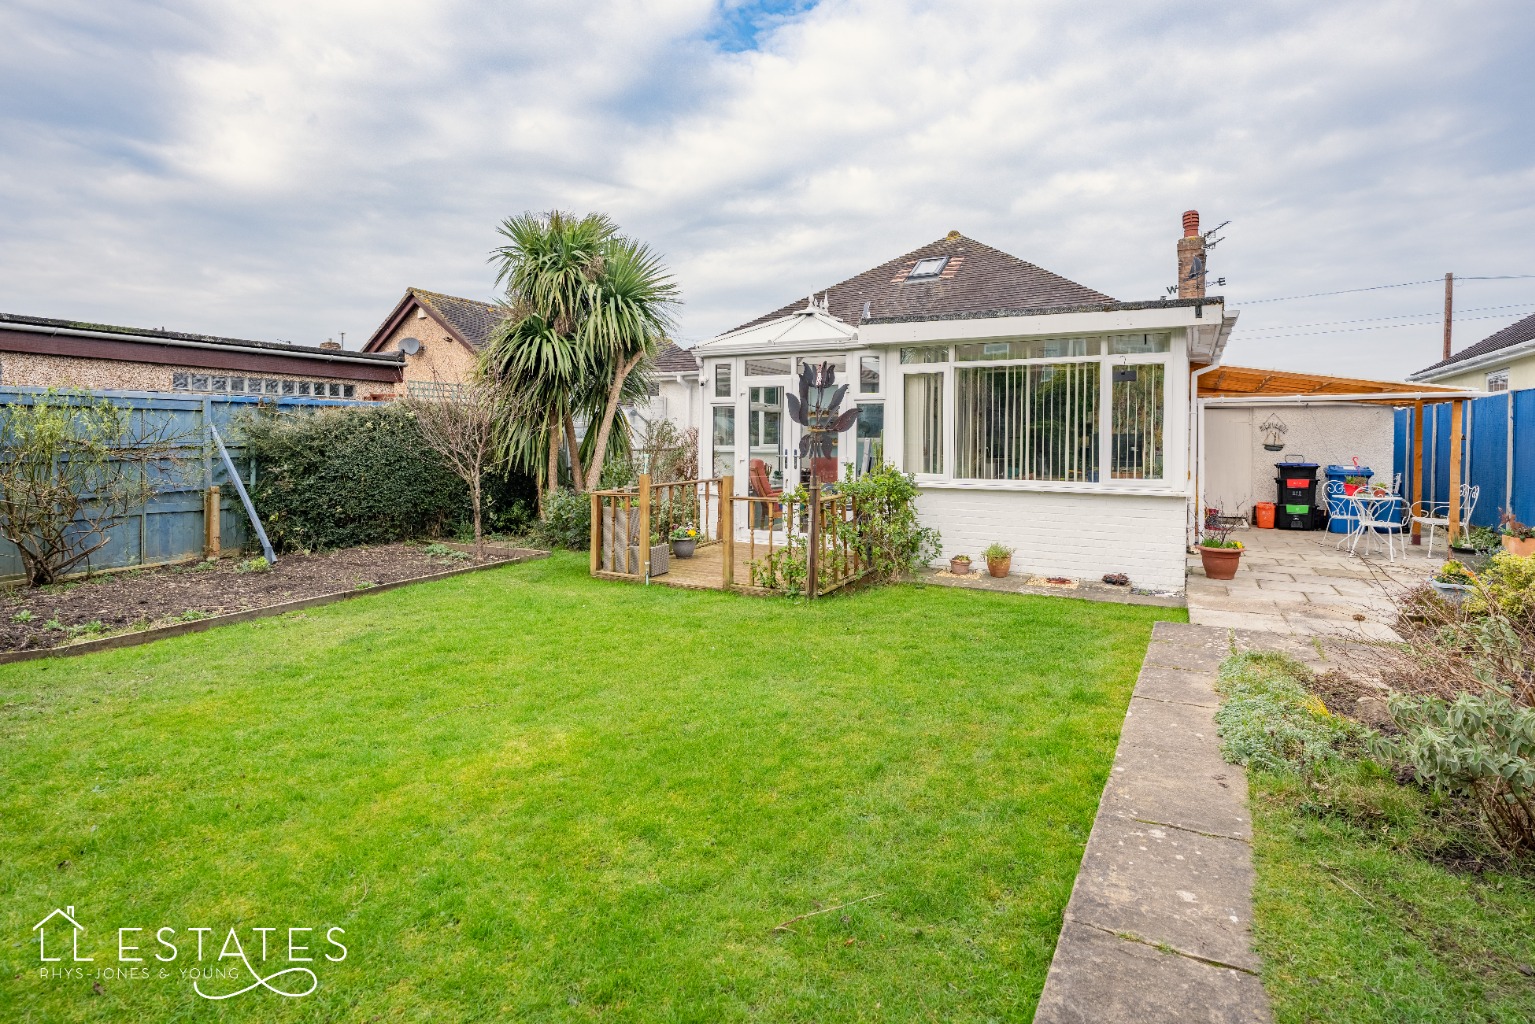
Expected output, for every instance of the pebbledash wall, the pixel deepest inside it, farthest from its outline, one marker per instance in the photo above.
(441, 360)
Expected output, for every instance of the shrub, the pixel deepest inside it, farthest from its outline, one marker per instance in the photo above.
(1270, 721)
(885, 530)
(567, 521)
(1480, 746)
(344, 477)
(1508, 589)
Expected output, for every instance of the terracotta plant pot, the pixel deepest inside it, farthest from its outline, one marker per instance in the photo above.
(1522, 548)
(1220, 563)
(959, 568)
(999, 567)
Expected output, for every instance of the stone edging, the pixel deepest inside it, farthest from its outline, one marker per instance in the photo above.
(144, 636)
(1159, 925)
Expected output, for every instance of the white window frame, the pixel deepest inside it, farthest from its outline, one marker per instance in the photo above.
(1498, 376)
(1174, 398)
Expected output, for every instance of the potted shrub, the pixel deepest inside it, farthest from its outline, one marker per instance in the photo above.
(1219, 554)
(959, 565)
(999, 560)
(684, 541)
(1453, 582)
(1518, 539)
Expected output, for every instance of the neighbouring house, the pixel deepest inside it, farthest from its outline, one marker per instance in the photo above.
(43, 352)
(1034, 411)
(1504, 361)
(439, 338)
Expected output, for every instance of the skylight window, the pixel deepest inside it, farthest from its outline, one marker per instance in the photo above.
(927, 268)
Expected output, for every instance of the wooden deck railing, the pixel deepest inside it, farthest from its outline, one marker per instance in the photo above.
(772, 535)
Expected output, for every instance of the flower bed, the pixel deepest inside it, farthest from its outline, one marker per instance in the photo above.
(120, 602)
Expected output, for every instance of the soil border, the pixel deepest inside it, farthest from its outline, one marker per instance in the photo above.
(144, 636)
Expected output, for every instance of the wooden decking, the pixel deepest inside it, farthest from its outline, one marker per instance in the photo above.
(704, 571)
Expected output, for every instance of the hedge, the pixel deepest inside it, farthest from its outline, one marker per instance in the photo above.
(343, 477)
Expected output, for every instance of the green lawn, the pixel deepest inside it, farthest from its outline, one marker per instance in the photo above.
(528, 795)
(1369, 909)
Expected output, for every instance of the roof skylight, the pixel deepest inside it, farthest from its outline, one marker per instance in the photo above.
(931, 267)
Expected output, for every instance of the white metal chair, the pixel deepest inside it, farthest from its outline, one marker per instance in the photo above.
(1437, 514)
(1375, 520)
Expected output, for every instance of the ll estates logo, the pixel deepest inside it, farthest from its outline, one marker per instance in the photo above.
(270, 959)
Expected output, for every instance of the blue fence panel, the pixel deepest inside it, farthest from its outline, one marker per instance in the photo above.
(1523, 499)
(170, 527)
(1401, 447)
(1489, 457)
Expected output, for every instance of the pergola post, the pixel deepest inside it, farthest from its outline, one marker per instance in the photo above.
(1455, 441)
(1417, 470)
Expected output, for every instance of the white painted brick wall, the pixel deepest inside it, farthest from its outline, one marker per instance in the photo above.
(1082, 536)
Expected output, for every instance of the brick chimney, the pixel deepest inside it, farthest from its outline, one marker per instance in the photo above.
(329, 343)
(1191, 258)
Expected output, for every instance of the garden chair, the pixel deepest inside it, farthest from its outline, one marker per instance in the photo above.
(1437, 514)
(1374, 519)
(759, 484)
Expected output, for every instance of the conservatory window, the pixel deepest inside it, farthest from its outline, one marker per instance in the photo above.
(1137, 422)
(868, 375)
(724, 435)
(721, 380)
(925, 354)
(924, 423)
(767, 367)
(1037, 422)
(1139, 344)
(1032, 348)
(869, 449)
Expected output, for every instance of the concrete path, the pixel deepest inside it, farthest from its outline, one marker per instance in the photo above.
(1159, 923)
(1300, 583)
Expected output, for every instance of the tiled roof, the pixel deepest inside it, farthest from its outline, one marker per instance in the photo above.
(472, 319)
(1513, 334)
(152, 334)
(977, 278)
(673, 358)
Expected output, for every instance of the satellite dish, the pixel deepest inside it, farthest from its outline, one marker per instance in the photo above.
(410, 346)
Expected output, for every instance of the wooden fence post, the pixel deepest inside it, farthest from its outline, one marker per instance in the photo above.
(211, 522)
(728, 530)
(596, 533)
(645, 527)
(813, 555)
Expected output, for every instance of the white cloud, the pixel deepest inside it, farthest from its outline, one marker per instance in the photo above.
(285, 169)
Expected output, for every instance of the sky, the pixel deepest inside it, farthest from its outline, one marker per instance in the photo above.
(284, 169)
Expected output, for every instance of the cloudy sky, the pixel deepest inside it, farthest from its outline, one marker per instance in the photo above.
(283, 169)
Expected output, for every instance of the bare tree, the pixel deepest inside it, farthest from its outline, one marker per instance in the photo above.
(459, 423)
(72, 466)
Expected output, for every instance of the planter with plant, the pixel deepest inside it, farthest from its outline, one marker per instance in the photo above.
(684, 541)
(1351, 484)
(1219, 554)
(959, 565)
(1518, 539)
(999, 560)
(1453, 582)
(1479, 540)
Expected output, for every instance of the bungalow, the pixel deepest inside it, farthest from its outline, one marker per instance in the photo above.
(439, 337)
(1504, 361)
(1034, 411)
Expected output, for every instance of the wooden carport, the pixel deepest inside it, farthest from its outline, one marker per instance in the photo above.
(1244, 385)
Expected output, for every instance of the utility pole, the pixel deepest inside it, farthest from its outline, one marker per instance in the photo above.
(1449, 308)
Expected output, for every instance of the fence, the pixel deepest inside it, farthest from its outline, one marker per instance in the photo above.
(1497, 454)
(179, 523)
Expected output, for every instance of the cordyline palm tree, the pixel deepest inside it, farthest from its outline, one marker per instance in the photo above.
(585, 308)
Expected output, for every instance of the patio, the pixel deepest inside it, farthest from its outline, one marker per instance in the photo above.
(1301, 582)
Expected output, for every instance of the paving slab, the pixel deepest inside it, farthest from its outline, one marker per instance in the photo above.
(1101, 978)
(1158, 927)
(1194, 791)
(1169, 886)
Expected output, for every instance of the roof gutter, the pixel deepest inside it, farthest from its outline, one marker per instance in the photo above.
(1474, 363)
(212, 345)
(1404, 397)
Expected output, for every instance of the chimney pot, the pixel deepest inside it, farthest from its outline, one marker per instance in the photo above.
(1190, 223)
(329, 343)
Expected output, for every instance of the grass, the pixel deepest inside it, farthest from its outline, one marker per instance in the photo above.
(528, 795)
(1377, 901)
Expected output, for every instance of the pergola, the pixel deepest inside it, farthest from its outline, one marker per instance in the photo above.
(1219, 385)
